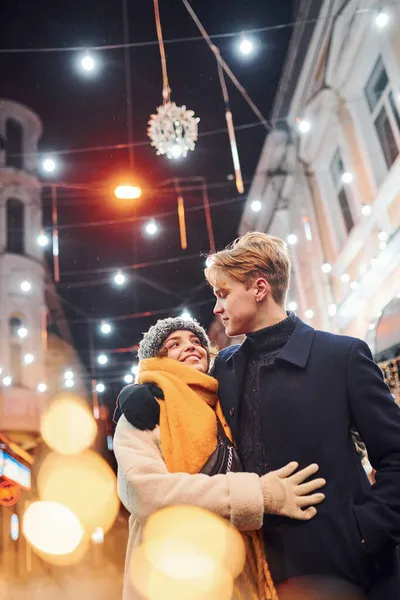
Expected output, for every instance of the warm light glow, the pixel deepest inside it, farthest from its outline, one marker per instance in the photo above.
(326, 268)
(100, 388)
(22, 332)
(292, 239)
(151, 228)
(347, 177)
(292, 305)
(102, 359)
(52, 528)
(345, 278)
(309, 313)
(246, 46)
(26, 286)
(381, 19)
(303, 125)
(176, 151)
(69, 374)
(42, 240)
(68, 426)
(185, 315)
(366, 210)
(69, 383)
(84, 483)
(256, 206)
(28, 359)
(7, 381)
(119, 278)
(128, 192)
(98, 536)
(128, 378)
(49, 165)
(42, 387)
(105, 328)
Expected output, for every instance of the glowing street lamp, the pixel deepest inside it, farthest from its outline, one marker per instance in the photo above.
(128, 192)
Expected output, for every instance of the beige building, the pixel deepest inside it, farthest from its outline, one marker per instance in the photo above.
(328, 179)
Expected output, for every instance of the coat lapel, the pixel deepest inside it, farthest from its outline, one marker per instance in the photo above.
(236, 364)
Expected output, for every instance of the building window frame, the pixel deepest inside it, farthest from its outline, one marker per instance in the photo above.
(15, 224)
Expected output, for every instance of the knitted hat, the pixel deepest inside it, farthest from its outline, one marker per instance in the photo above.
(155, 337)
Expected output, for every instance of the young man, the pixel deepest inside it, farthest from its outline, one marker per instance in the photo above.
(290, 392)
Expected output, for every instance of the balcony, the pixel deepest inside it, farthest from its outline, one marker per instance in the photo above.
(21, 410)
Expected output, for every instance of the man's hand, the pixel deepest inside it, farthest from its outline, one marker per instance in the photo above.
(139, 405)
(286, 493)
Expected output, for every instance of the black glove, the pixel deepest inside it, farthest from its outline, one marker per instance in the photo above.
(138, 404)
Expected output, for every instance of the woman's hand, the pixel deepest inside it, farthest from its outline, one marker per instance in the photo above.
(139, 405)
(286, 493)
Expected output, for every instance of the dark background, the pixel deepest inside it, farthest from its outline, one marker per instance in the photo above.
(80, 111)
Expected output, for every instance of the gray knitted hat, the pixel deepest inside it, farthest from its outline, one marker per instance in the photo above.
(155, 337)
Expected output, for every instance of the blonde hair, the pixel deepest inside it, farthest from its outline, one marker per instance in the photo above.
(251, 256)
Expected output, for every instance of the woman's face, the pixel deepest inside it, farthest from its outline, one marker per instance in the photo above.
(186, 347)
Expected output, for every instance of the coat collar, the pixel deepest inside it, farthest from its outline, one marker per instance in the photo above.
(295, 351)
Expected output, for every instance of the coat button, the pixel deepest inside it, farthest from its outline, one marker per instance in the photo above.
(232, 412)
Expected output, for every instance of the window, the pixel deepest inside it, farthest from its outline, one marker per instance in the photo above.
(15, 226)
(384, 111)
(15, 323)
(14, 157)
(337, 170)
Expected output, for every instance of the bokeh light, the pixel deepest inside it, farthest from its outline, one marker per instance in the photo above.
(85, 483)
(68, 426)
(52, 528)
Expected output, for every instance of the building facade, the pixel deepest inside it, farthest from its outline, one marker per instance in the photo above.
(328, 176)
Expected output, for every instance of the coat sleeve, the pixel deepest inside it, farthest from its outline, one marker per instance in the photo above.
(145, 485)
(377, 418)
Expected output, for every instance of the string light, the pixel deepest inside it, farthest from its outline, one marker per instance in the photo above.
(135, 369)
(347, 177)
(371, 326)
(309, 313)
(69, 383)
(292, 305)
(185, 315)
(42, 240)
(29, 359)
(102, 359)
(382, 245)
(22, 332)
(345, 278)
(26, 286)
(42, 387)
(366, 210)
(119, 278)
(326, 268)
(128, 192)
(68, 374)
(105, 328)
(151, 228)
(128, 378)
(256, 206)
(88, 63)
(303, 125)
(382, 19)
(292, 239)
(49, 165)
(100, 388)
(383, 236)
(246, 46)
(7, 381)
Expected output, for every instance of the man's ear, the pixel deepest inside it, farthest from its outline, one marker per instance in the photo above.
(261, 289)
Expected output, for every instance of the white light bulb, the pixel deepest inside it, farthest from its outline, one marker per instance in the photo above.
(332, 309)
(105, 328)
(354, 285)
(26, 286)
(303, 125)
(49, 165)
(185, 315)
(382, 245)
(69, 383)
(87, 63)
(7, 381)
(100, 388)
(209, 262)
(22, 332)
(119, 278)
(42, 387)
(345, 278)
(309, 314)
(68, 374)
(381, 19)
(292, 239)
(151, 228)
(246, 46)
(366, 210)
(135, 369)
(292, 305)
(176, 151)
(347, 177)
(326, 268)
(29, 359)
(42, 240)
(102, 359)
(128, 378)
(383, 236)
(256, 206)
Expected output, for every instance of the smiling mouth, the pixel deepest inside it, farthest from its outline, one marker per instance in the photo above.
(192, 356)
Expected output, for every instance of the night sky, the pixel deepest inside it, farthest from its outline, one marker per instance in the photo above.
(79, 111)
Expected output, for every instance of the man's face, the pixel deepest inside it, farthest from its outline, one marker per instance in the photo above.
(236, 305)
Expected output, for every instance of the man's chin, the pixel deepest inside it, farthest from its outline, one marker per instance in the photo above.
(230, 331)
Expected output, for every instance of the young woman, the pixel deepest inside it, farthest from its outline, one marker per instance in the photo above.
(179, 462)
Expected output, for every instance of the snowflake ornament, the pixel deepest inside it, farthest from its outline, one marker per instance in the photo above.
(173, 130)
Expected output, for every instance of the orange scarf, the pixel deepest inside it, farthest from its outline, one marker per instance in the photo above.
(188, 425)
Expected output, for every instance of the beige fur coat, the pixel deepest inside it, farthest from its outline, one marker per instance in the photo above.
(145, 485)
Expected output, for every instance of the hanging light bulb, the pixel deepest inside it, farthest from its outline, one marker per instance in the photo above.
(303, 125)
(347, 177)
(345, 278)
(366, 210)
(42, 240)
(69, 383)
(100, 388)
(102, 359)
(326, 268)
(22, 332)
(309, 313)
(128, 378)
(382, 19)
(292, 305)
(119, 278)
(292, 239)
(128, 192)
(28, 359)
(246, 46)
(42, 387)
(151, 228)
(135, 369)
(105, 328)
(26, 286)
(256, 206)
(185, 315)
(88, 63)
(49, 165)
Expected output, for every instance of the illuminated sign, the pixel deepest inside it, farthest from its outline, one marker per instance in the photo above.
(12, 469)
(9, 493)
